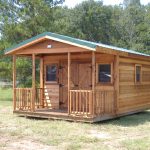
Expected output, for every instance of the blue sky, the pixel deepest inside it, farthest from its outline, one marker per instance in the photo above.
(72, 3)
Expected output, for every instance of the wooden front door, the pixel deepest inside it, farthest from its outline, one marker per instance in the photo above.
(63, 81)
(80, 79)
(85, 76)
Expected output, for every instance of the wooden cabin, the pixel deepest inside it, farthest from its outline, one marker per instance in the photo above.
(81, 80)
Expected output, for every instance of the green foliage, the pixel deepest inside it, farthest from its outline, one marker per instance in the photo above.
(91, 21)
(126, 25)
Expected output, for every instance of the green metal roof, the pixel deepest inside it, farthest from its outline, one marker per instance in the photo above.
(57, 36)
(88, 44)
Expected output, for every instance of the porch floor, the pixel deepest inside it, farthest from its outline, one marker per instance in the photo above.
(56, 114)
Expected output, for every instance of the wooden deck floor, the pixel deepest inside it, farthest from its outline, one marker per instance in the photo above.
(57, 114)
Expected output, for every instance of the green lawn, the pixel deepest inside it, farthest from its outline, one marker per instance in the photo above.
(6, 94)
(126, 133)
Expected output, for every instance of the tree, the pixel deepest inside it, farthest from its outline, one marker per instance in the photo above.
(91, 21)
(126, 25)
(22, 19)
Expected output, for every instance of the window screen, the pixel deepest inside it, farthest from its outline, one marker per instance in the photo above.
(51, 72)
(138, 73)
(104, 73)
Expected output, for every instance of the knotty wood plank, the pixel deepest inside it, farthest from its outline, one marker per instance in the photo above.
(14, 82)
(93, 80)
(42, 80)
(116, 84)
(33, 82)
(69, 63)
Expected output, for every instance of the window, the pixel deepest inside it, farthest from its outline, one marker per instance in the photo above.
(137, 73)
(51, 72)
(104, 73)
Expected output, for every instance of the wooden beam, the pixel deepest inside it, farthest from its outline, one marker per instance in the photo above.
(116, 84)
(93, 79)
(110, 51)
(51, 50)
(133, 61)
(69, 63)
(42, 80)
(14, 82)
(33, 83)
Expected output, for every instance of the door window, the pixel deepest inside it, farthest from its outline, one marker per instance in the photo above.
(51, 73)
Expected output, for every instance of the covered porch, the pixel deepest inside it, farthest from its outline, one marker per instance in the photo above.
(80, 101)
(68, 88)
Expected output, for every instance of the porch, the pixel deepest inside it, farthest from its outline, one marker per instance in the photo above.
(83, 100)
(80, 102)
(81, 105)
(69, 88)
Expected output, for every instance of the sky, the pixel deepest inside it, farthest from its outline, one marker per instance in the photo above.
(72, 3)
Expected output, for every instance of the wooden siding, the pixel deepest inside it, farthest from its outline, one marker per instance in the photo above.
(133, 96)
(104, 93)
(51, 96)
(56, 47)
(104, 102)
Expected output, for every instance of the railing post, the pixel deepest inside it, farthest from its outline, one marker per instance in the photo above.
(69, 63)
(33, 83)
(116, 84)
(41, 82)
(14, 82)
(93, 81)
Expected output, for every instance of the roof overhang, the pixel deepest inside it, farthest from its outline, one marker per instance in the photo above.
(51, 36)
(83, 44)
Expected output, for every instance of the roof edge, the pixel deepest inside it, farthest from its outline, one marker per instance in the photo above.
(57, 37)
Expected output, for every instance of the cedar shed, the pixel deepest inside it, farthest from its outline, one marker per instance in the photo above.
(81, 80)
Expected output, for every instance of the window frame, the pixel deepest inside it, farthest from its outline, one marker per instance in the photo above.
(45, 73)
(138, 82)
(111, 73)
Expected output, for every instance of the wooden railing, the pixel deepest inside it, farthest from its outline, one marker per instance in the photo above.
(81, 102)
(23, 97)
(39, 97)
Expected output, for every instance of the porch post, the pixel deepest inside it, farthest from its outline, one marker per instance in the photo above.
(116, 84)
(14, 82)
(93, 80)
(33, 83)
(42, 82)
(69, 62)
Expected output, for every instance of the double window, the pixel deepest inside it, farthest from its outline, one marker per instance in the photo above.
(51, 73)
(104, 73)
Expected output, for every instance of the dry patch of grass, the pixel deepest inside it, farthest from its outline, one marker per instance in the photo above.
(131, 132)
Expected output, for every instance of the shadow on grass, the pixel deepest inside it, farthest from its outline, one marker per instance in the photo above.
(33, 118)
(6, 100)
(130, 120)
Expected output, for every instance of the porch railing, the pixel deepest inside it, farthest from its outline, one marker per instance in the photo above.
(81, 102)
(23, 98)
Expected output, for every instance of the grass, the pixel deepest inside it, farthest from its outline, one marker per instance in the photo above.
(125, 133)
(140, 144)
(5, 94)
